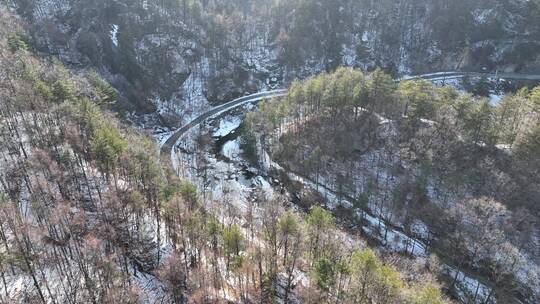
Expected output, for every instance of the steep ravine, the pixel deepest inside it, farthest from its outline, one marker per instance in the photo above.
(225, 152)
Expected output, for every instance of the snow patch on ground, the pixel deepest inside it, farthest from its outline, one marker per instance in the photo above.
(366, 36)
(349, 54)
(258, 55)
(189, 101)
(481, 16)
(114, 34)
(420, 229)
(265, 186)
(152, 289)
(469, 290)
(231, 150)
(162, 137)
(227, 125)
(376, 227)
(45, 9)
(392, 239)
(495, 98)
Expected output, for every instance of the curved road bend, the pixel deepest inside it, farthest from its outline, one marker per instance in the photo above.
(166, 151)
(456, 75)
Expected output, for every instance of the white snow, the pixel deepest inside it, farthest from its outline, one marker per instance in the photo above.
(152, 289)
(395, 240)
(420, 229)
(481, 16)
(349, 55)
(227, 125)
(162, 137)
(114, 34)
(468, 289)
(448, 81)
(231, 150)
(265, 186)
(495, 98)
(376, 228)
(365, 36)
(45, 9)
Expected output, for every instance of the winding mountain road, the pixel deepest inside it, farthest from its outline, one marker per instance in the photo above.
(457, 75)
(167, 149)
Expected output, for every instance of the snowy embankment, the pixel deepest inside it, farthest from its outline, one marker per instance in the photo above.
(393, 239)
(227, 125)
(45, 9)
(374, 227)
(469, 290)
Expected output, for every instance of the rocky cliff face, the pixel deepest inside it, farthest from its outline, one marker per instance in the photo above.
(171, 57)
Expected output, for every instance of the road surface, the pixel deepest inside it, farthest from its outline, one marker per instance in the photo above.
(457, 75)
(166, 151)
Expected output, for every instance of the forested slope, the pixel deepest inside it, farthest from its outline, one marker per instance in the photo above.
(88, 216)
(169, 55)
(448, 168)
